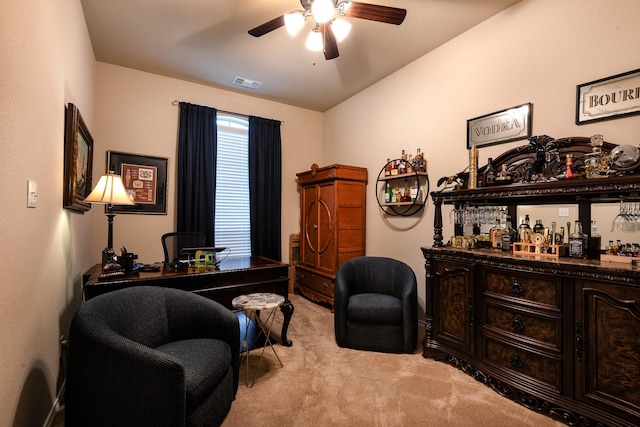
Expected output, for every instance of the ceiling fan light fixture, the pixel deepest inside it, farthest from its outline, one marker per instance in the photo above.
(314, 41)
(340, 29)
(294, 21)
(322, 10)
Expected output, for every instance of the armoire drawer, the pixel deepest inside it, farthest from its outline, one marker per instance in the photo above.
(537, 366)
(315, 282)
(543, 291)
(545, 329)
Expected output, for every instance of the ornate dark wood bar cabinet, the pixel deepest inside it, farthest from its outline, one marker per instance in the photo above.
(560, 336)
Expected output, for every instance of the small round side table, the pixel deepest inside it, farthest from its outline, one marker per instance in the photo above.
(252, 304)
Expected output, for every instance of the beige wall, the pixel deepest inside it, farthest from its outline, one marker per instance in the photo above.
(47, 61)
(536, 51)
(134, 114)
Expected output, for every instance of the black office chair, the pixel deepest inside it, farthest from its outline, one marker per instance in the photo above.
(376, 305)
(172, 243)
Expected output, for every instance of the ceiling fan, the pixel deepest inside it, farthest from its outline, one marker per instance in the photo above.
(329, 30)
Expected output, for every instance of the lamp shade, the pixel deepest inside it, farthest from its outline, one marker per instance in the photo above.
(294, 22)
(110, 190)
(322, 10)
(314, 41)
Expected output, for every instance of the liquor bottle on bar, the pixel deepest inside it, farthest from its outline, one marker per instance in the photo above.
(419, 164)
(578, 242)
(490, 173)
(387, 168)
(524, 230)
(594, 242)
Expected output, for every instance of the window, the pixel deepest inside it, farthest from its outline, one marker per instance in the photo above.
(232, 226)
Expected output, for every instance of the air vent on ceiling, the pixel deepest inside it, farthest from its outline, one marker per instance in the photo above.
(241, 81)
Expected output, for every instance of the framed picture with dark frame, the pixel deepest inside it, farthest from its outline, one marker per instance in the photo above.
(144, 178)
(506, 125)
(78, 161)
(609, 98)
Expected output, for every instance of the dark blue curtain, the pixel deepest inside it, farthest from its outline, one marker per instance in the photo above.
(196, 184)
(265, 186)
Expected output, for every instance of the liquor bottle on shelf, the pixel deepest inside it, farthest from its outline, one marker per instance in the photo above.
(490, 173)
(403, 156)
(406, 195)
(409, 165)
(402, 168)
(594, 242)
(508, 237)
(524, 230)
(388, 167)
(388, 194)
(578, 242)
(419, 164)
(495, 235)
(538, 227)
(415, 189)
(394, 168)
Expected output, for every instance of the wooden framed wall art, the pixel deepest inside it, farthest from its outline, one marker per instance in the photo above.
(144, 178)
(78, 161)
(609, 98)
(502, 126)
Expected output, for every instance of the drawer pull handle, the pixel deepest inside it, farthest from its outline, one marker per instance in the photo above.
(516, 287)
(517, 324)
(324, 285)
(516, 362)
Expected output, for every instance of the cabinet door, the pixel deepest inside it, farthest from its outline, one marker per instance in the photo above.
(326, 221)
(607, 347)
(453, 305)
(309, 238)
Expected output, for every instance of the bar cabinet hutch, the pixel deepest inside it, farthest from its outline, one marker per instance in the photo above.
(560, 336)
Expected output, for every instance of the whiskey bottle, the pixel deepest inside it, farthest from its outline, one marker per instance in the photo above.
(414, 191)
(419, 164)
(594, 242)
(508, 237)
(490, 173)
(387, 168)
(578, 242)
(495, 235)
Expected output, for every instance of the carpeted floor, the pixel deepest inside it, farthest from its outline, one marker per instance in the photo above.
(322, 384)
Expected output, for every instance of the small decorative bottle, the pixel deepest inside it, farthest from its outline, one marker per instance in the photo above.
(569, 162)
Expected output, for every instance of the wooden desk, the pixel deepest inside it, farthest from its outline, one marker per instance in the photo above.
(234, 277)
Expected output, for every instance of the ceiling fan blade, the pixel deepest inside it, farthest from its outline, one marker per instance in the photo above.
(267, 27)
(374, 12)
(329, 42)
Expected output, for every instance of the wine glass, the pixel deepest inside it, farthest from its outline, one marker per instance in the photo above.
(619, 223)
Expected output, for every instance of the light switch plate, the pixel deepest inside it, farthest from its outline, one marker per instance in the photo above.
(563, 212)
(32, 194)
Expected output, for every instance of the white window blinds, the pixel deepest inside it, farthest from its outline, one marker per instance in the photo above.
(232, 227)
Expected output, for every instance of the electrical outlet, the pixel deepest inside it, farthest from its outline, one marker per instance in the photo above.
(563, 212)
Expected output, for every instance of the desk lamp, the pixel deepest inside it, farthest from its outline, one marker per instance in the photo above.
(110, 191)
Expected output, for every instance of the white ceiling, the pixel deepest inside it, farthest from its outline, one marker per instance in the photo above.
(206, 41)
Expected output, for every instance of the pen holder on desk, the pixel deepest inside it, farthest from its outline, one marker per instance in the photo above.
(127, 261)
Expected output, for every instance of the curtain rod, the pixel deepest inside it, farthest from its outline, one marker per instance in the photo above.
(176, 102)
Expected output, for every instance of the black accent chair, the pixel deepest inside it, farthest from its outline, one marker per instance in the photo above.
(174, 242)
(151, 356)
(376, 305)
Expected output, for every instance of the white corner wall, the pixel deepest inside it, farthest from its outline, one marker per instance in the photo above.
(47, 61)
(536, 51)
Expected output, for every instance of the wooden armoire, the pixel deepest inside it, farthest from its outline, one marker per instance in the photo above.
(332, 228)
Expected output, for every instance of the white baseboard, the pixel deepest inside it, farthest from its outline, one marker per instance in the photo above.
(54, 408)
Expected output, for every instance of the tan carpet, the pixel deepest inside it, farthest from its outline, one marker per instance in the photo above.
(322, 384)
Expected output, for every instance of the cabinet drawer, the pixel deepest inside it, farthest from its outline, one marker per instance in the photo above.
(544, 291)
(546, 330)
(517, 361)
(315, 282)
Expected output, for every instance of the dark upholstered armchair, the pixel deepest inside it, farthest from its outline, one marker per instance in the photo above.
(151, 356)
(376, 305)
